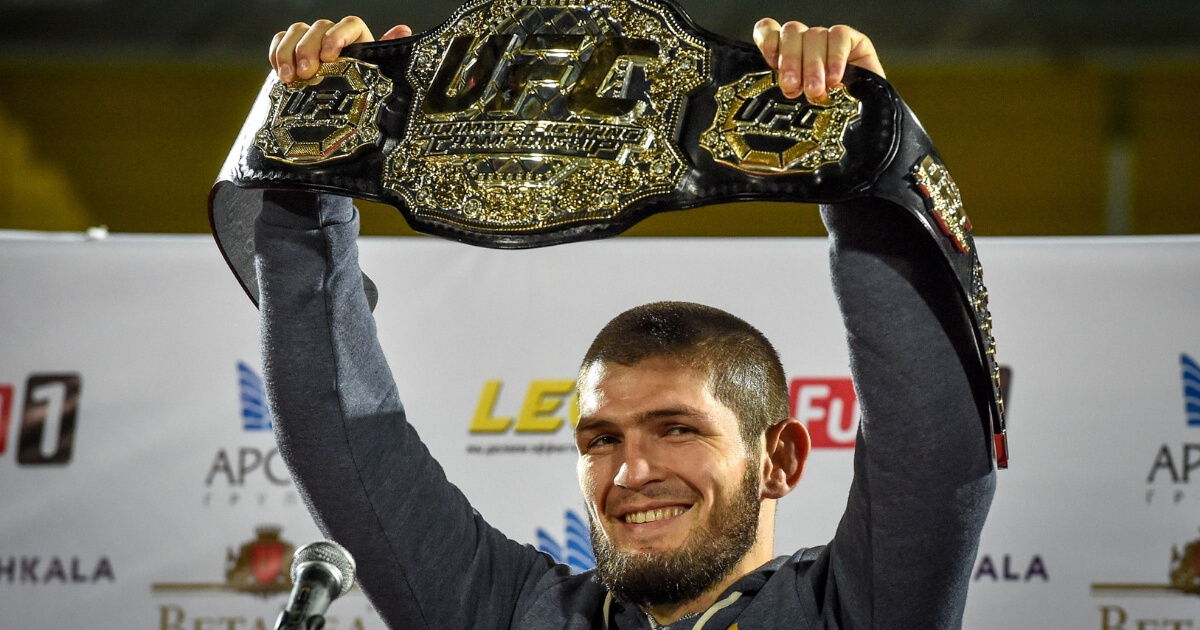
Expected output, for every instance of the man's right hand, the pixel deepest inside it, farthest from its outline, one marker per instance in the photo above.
(298, 52)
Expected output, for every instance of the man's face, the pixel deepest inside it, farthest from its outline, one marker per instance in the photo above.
(672, 494)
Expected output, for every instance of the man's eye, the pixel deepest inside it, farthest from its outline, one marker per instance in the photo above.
(680, 430)
(602, 440)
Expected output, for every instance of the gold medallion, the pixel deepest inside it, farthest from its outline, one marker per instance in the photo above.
(939, 188)
(758, 130)
(528, 115)
(327, 117)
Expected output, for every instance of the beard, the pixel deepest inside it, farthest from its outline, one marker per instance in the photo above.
(674, 576)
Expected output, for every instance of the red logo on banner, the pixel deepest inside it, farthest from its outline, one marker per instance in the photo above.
(266, 561)
(6, 399)
(258, 568)
(828, 407)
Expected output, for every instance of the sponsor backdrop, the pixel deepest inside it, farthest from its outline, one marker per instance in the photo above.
(142, 489)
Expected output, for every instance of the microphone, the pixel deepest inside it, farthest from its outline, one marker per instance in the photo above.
(321, 572)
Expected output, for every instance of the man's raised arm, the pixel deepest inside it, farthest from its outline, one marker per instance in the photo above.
(904, 550)
(903, 553)
(361, 468)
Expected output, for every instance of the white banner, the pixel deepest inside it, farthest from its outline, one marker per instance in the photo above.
(141, 488)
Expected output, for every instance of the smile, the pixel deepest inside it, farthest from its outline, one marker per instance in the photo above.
(650, 516)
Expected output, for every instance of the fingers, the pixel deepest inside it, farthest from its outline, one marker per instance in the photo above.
(396, 32)
(841, 40)
(863, 55)
(791, 58)
(816, 55)
(308, 50)
(766, 37)
(351, 30)
(811, 61)
(283, 51)
(274, 54)
(297, 53)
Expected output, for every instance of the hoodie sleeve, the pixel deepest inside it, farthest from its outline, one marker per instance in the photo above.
(365, 475)
(923, 476)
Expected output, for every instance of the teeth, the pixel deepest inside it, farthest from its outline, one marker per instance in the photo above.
(650, 516)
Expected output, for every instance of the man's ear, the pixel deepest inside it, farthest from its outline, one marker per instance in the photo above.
(787, 446)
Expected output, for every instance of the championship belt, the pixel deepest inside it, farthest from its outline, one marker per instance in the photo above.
(525, 123)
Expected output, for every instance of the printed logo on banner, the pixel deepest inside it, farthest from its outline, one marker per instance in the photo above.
(1010, 568)
(46, 430)
(546, 407)
(255, 415)
(261, 567)
(251, 473)
(1182, 579)
(828, 407)
(6, 399)
(1191, 389)
(55, 570)
(1175, 465)
(576, 550)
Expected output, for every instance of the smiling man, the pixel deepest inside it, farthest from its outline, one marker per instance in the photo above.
(684, 445)
(684, 439)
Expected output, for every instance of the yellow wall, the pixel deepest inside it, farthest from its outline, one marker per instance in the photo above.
(137, 147)
(1167, 152)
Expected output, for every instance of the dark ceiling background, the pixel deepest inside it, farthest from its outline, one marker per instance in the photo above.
(944, 29)
(1057, 117)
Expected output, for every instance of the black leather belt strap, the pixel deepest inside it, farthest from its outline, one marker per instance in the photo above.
(525, 123)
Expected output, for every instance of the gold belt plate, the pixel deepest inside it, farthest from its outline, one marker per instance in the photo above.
(328, 117)
(757, 130)
(531, 115)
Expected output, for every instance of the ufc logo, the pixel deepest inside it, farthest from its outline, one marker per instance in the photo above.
(330, 101)
(762, 114)
(829, 408)
(477, 76)
(47, 433)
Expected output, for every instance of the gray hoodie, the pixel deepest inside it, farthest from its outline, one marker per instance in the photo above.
(903, 551)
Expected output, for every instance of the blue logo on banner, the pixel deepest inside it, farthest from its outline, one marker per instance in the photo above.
(255, 416)
(1191, 389)
(577, 553)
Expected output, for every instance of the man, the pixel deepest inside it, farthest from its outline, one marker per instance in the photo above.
(684, 439)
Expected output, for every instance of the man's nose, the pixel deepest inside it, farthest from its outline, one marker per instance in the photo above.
(638, 469)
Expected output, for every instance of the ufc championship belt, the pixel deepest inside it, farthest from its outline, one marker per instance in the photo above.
(524, 123)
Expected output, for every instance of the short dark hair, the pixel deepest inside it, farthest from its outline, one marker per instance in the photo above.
(742, 368)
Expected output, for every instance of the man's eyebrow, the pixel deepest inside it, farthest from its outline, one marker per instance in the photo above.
(669, 412)
(591, 422)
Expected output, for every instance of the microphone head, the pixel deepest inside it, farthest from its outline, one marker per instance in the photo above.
(330, 553)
